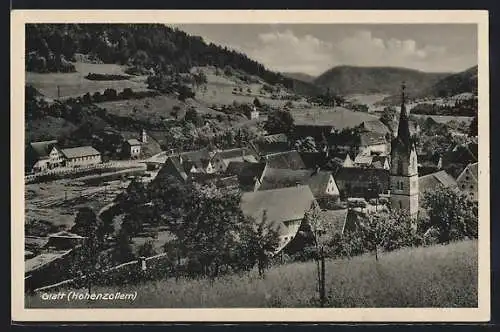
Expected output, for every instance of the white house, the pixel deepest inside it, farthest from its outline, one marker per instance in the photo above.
(81, 156)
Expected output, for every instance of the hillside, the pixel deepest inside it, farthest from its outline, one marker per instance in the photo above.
(142, 47)
(441, 276)
(346, 80)
(455, 84)
(300, 76)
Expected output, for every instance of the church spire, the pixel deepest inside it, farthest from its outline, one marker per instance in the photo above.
(403, 127)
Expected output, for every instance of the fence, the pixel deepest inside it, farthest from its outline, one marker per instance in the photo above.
(58, 173)
(140, 269)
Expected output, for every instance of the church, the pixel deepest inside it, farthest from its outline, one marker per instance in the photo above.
(403, 172)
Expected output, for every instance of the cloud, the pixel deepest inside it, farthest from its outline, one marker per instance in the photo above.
(286, 52)
(364, 49)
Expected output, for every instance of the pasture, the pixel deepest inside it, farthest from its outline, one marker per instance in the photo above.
(75, 84)
(338, 117)
(442, 276)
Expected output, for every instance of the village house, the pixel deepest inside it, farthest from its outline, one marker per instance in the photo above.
(198, 161)
(282, 209)
(467, 181)
(271, 144)
(221, 159)
(375, 126)
(249, 174)
(361, 182)
(321, 183)
(433, 181)
(81, 156)
(373, 161)
(42, 156)
(133, 148)
(254, 113)
(64, 240)
(372, 142)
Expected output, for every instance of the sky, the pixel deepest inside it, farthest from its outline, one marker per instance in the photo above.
(314, 48)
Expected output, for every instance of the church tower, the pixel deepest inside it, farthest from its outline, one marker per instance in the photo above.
(404, 169)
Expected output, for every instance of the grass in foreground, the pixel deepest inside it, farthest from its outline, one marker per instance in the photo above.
(439, 276)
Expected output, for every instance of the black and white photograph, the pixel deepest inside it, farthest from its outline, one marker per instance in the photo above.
(251, 164)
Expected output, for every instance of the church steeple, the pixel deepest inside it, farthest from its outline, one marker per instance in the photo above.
(404, 126)
(404, 166)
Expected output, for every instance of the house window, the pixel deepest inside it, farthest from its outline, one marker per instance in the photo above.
(471, 187)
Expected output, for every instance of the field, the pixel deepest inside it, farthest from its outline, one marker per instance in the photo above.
(338, 117)
(219, 91)
(58, 201)
(438, 276)
(446, 118)
(75, 84)
(369, 99)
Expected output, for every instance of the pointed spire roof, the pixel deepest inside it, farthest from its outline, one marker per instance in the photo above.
(403, 127)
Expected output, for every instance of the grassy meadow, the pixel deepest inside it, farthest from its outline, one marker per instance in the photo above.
(338, 116)
(75, 84)
(438, 276)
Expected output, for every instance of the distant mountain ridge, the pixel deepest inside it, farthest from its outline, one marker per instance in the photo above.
(346, 80)
(300, 76)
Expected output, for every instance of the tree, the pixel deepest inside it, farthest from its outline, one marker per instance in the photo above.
(256, 102)
(147, 249)
(388, 116)
(259, 243)
(123, 250)
(307, 144)
(87, 225)
(210, 228)
(280, 121)
(473, 127)
(452, 213)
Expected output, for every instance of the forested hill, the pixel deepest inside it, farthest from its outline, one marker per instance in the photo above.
(350, 79)
(465, 81)
(51, 47)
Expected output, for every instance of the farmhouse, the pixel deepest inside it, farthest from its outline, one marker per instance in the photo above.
(467, 181)
(43, 155)
(321, 183)
(282, 209)
(81, 156)
(222, 159)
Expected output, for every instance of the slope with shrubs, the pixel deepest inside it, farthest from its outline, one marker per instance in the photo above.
(436, 276)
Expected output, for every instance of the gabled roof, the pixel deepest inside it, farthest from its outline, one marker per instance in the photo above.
(43, 148)
(173, 168)
(275, 178)
(363, 159)
(289, 159)
(434, 180)
(313, 159)
(334, 220)
(247, 173)
(281, 205)
(234, 153)
(371, 138)
(375, 126)
(362, 174)
(66, 234)
(81, 151)
(472, 169)
(196, 155)
(276, 138)
(133, 142)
